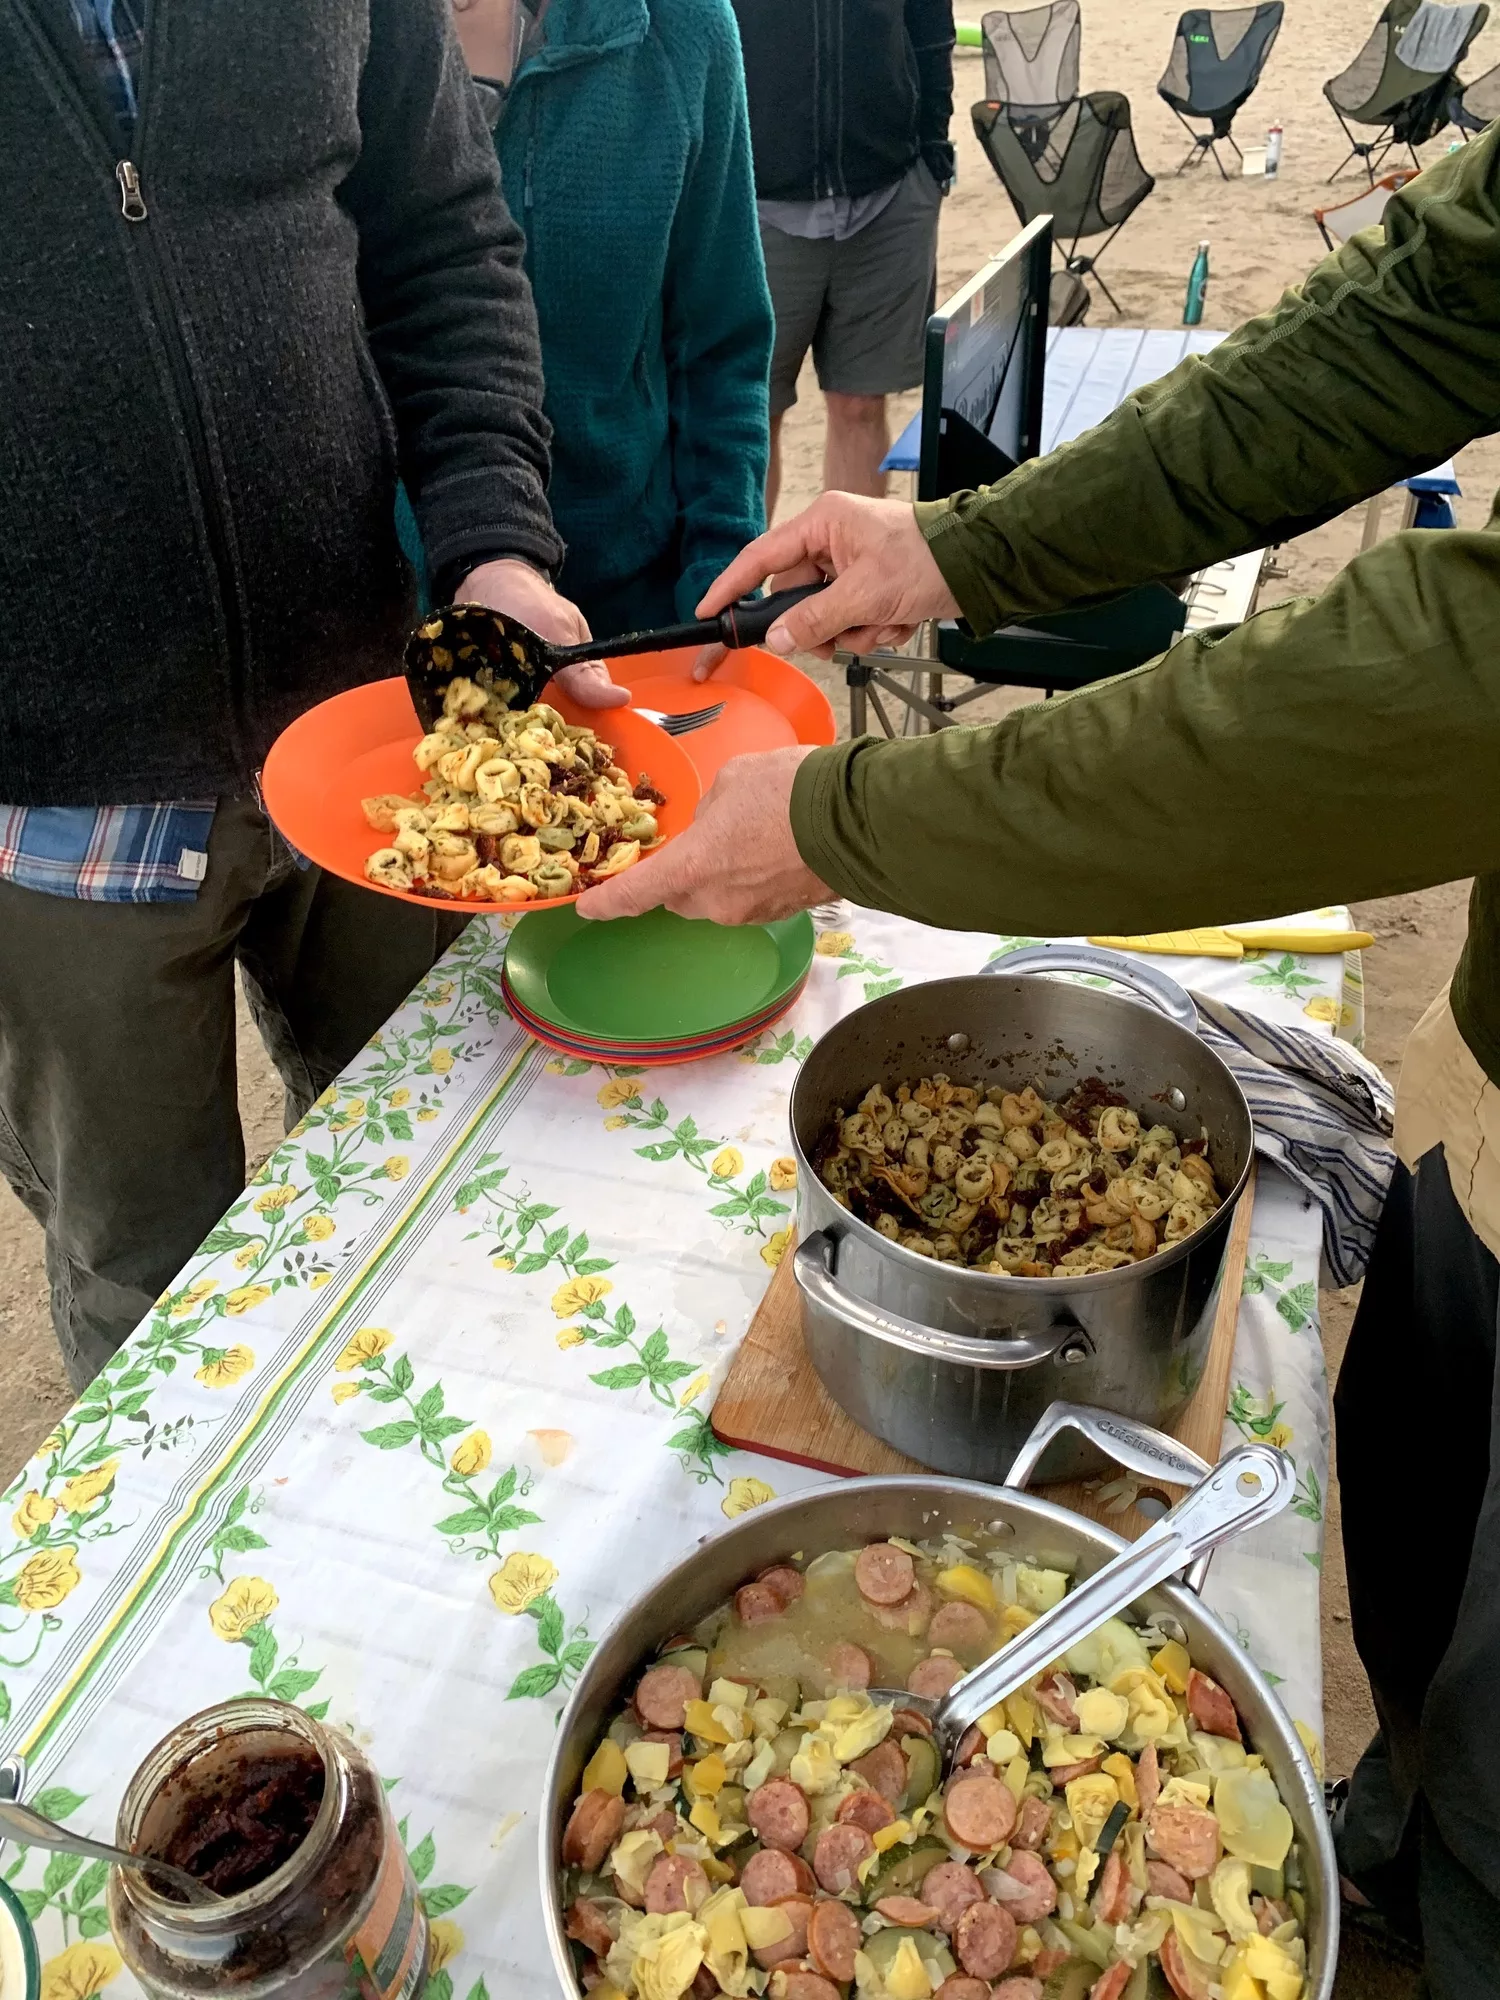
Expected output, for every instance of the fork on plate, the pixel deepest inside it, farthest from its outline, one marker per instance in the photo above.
(686, 723)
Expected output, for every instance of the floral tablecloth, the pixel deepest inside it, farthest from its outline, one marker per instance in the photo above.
(430, 1405)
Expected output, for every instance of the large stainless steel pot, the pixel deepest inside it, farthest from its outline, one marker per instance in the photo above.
(954, 1366)
(855, 1511)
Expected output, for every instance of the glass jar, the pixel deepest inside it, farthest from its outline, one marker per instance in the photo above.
(289, 1821)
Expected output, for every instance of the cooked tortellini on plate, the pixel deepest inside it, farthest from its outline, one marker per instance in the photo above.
(515, 807)
(1003, 1181)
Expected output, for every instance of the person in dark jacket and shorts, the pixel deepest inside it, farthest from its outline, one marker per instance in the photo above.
(850, 102)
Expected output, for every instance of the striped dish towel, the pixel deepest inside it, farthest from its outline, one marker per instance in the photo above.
(1323, 1113)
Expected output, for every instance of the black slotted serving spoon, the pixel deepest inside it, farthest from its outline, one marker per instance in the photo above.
(511, 661)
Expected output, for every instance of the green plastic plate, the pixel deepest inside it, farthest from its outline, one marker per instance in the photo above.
(653, 978)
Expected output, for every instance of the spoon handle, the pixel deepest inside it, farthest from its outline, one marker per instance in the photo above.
(741, 625)
(20, 1823)
(1247, 1487)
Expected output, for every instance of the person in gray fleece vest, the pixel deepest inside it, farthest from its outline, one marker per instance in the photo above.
(256, 265)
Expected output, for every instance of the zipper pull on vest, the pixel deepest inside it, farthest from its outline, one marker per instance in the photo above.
(132, 203)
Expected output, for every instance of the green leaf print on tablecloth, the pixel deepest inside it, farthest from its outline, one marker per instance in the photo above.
(1297, 1304)
(69, 1887)
(565, 1648)
(697, 1447)
(879, 978)
(1259, 1419)
(521, 1241)
(1288, 975)
(241, 1615)
(747, 1208)
(232, 1537)
(787, 1047)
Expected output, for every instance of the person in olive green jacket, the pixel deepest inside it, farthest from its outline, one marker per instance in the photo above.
(1331, 748)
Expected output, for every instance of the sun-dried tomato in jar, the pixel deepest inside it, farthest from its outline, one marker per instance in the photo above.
(288, 1823)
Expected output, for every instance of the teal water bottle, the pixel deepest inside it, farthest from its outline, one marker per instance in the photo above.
(1197, 289)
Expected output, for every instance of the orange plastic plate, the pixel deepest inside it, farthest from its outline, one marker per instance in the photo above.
(768, 702)
(360, 743)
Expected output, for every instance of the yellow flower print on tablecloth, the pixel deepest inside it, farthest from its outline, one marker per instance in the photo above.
(1279, 1436)
(773, 1251)
(579, 1292)
(246, 1602)
(46, 1579)
(318, 1280)
(318, 1228)
(441, 1060)
(571, 1336)
(342, 1391)
(245, 1298)
(783, 1174)
(520, 1580)
(619, 1090)
(233, 1363)
(693, 1390)
(362, 1347)
(728, 1163)
(80, 1494)
(34, 1512)
(274, 1200)
(193, 1297)
(615, 1123)
(444, 1942)
(398, 1099)
(397, 1167)
(251, 1254)
(81, 1971)
(833, 944)
(472, 1454)
(503, 1263)
(426, 1114)
(745, 1493)
(52, 1442)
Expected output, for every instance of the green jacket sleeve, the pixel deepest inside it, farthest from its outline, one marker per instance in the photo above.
(1383, 363)
(1328, 749)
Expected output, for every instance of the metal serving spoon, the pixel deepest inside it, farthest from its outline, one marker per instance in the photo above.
(1250, 1485)
(18, 1822)
(512, 661)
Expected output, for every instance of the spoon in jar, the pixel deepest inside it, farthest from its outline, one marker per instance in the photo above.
(1246, 1487)
(20, 1823)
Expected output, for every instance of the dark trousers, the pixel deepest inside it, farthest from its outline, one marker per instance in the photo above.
(119, 1116)
(1420, 1481)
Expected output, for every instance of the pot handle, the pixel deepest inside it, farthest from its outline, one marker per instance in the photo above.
(1143, 982)
(813, 1267)
(1138, 1447)
(1253, 1484)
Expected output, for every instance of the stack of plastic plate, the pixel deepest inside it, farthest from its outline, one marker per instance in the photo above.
(654, 989)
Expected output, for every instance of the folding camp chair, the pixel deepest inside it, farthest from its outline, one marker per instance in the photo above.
(1472, 106)
(1032, 57)
(1076, 163)
(1217, 60)
(1339, 222)
(1402, 79)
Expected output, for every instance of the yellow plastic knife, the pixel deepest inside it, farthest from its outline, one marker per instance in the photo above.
(1234, 940)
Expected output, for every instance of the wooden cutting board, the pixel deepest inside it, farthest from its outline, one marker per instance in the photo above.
(772, 1400)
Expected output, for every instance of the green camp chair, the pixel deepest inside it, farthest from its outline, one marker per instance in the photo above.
(1076, 162)
(1475, 105)
(1403, 78)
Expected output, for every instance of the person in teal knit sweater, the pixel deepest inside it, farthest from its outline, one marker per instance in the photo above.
(624, 144)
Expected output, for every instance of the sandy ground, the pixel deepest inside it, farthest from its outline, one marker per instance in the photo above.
(1263, 239)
